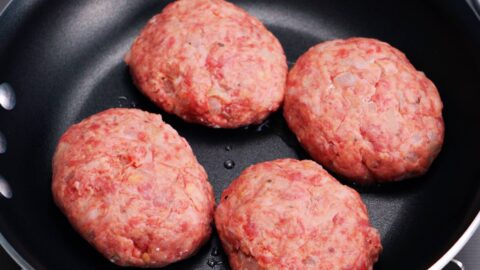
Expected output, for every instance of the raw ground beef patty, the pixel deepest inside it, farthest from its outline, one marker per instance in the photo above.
(290, 214)
(360, 108)
(133, 188)
(209, 62)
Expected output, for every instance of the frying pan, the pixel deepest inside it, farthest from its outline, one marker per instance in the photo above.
(62, 60)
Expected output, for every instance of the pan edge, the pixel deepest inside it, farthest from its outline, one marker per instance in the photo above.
(459, 244)
(14, 254)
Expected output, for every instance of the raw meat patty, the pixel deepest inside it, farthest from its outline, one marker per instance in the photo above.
(361, 109)
(209, 62)
(290, 214)
(132, 187)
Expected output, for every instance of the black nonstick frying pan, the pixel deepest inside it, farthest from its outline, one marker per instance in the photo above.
(62, 60)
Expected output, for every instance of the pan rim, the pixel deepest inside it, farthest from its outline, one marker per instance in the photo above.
(5, 7)
(438, 265)
(14, 254)
(459, 244)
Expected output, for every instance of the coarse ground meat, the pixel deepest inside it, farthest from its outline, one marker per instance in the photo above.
(290, 214)
(132, 187)
(361, 109)
(209, 62)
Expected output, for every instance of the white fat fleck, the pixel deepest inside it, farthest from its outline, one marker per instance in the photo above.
(76, 184)
(360, 64)
(148, 157)
(177, 80)
(153, 20)
(389, 67)
(267, 54)
(406, 76)
(372, 107)
(93, 214)
(217, 91)
(411, 95)
(157, 249)
(345, 79)
(416, 139)
(214, 105)
(432, 136)
(390, 121)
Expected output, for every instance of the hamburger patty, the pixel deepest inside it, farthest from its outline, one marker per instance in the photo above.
(290, 214)
(209, 62)
(361, 109)
(132, 187)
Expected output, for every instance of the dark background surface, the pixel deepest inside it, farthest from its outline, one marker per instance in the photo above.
(469, 255)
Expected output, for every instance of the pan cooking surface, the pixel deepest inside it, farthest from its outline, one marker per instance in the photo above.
(64, 63)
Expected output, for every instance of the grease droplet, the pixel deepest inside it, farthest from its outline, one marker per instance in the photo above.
(7, 96)
(263, 126)
(229, 164)
(228, 148)
(3, 144)
(213, 262)
(123, 102)
(5, 189)
(215, 252)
